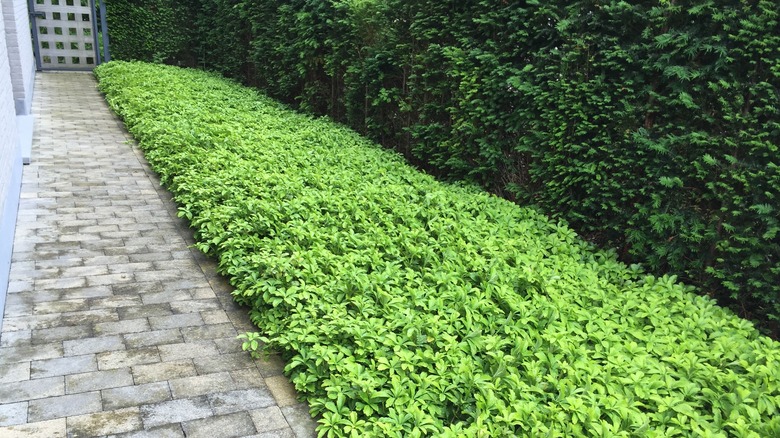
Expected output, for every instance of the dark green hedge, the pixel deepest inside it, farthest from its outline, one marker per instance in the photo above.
(151, 30)
(651, 126)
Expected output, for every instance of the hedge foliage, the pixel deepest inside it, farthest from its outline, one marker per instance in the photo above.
(650, 126)
(152, 30)
(408, 307)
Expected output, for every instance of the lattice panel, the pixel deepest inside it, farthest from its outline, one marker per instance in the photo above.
(65, 34)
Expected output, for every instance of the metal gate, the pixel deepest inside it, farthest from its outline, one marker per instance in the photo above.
(66, 34)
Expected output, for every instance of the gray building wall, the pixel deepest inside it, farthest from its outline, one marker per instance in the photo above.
(17, 72)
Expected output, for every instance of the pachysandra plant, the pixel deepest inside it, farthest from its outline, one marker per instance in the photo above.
(408, 307)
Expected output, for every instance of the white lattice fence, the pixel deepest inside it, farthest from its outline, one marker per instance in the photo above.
(65, 34)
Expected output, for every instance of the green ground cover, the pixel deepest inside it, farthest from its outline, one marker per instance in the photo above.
(407, 307)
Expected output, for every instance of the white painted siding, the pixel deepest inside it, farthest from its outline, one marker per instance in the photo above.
(20, 52)
(13, 99)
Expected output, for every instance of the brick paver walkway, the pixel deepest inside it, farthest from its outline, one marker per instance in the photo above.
(113, 326)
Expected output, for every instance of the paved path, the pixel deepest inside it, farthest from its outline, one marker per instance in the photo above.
(113, 326)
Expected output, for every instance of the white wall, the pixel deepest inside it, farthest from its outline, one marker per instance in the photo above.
(17, 71)
(20, 53)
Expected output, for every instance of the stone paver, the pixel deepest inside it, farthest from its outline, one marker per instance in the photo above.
(114, 325)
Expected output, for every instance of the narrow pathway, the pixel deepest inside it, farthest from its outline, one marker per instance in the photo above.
(114, 325)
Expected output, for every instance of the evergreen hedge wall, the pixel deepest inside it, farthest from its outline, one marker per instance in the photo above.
(651, 126)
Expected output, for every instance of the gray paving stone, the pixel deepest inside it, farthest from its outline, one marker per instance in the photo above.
(63, 366)
(300, 420)
(270, 365)
(282, 390)
(137, 395)
(241, 399)
(98, 380)
(229, 345)
(13, 413)
(167, 296)
(26, 353)
(195, 305)
(175, 411)
(211, 331)
(89, 292)
(16, 338)
(216, 317)
(138, 288)
(114, 302)
(268, 419)
(167, 431)
(127, 358)
(130, 267)
(144, 311)
(44, 429)
(157, 337)
(64, 406)
(60, 283)
(106, 422)
(232, 425)
(223, 362)
(189, 350)
(31, 389)
(121, 327)
(93, 345)
(194, 386)
(163, 371)
(60, 306)
(110, 279)
(175, 321)
(247, 378)
(87, 317)
(14, 372)
(49, 336)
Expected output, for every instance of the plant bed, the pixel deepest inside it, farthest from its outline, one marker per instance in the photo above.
(408, 307)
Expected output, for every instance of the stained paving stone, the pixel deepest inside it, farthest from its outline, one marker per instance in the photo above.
(49, 336)
(123, 327)
(63, 366)
(176, 411)
(211, 331)
(105, 422)
(195, 306)
(175, 321)
(233, 401)
(64, 406)
(14, 372)
(13, 413)
(223, 362)
(279, 433)
(93, 345)
(189, 350)
(42, 429)
(144, 311)
(167, 431)
(31, 389)
(137, 395)
(153, 338)
(268, 419)
(98, 380)
(282, 390)
(300, 420)
(238, 424)
(16, 338)
(163, 371)
(27, 353)
(194, 386)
